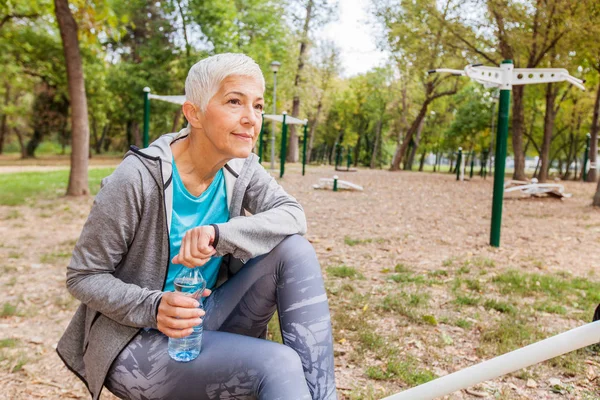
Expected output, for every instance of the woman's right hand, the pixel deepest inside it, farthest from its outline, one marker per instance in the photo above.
(178, 314)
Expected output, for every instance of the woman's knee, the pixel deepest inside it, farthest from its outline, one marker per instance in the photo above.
(293, 248)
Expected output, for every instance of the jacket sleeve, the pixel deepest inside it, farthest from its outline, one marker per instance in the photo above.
(276, 215)
(104, 242)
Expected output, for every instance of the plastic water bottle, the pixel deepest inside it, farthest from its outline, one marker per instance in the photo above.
(190, 282)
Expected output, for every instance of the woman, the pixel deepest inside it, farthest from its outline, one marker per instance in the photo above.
(180, 203)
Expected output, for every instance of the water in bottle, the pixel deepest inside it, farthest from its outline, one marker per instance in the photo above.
(190, 282)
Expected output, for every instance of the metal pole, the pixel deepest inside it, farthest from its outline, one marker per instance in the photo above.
(500, 159)
(304, 148)
(335, 183)
(349, 158)
(260, 140)
(458, 163)
(146, 116)
(283, 147)
(586, 156)
(472, 164)
(273, 123)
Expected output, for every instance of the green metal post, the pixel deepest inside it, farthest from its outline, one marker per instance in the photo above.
(260, 140)
(349, 158)
(146, 116)
(338, 153)
(586, 156)
(472, 164)
(304, 148)
(335, 185)
(458, 163)
(500, 159)
(283, 147)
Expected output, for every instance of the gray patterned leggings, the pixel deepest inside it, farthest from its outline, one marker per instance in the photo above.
(234, 362)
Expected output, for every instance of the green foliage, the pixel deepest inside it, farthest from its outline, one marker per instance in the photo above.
(21, 187)
(343, 271)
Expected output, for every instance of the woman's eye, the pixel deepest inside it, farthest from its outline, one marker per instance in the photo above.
(235, 101)
(259, 107)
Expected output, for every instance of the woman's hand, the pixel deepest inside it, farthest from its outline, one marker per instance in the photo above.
(178, 314)
(196, 247)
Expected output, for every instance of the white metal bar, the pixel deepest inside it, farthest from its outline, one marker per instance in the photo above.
(554, 346)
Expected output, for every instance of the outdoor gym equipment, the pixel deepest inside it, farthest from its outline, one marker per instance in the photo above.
(504, 77)
(534, 188)
(461, 165)
(338, 158)
(336, 184)
(554, 346)
(286, 120)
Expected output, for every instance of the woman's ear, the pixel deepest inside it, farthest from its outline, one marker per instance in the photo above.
(192, 114)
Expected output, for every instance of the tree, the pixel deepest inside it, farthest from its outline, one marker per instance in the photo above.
(524, 32)
(425, 48)
(78, 177)
(317, 13)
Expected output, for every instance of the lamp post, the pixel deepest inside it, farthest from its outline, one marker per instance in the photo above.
(274, 67)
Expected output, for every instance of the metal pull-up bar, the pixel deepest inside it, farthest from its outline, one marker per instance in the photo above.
(504, 78)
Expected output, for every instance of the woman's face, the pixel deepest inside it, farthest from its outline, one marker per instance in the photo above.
(233, 116)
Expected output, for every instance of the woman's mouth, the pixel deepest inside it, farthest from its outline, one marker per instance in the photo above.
(243, 136)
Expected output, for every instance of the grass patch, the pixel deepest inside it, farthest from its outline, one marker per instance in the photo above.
(419, 299)
(9, 343)
(273, 330)
(404, 274)
(19, 187)
(438, 273)
(402, 269)
(406, 370)
(506, 335)
(474, 285)
(50, 258)
(343, 271)
(583, 292)
(8, 310)
(467, 301)
(499, 306)
(429, 319)
(12, 214)
(550, 308)
(463, 323)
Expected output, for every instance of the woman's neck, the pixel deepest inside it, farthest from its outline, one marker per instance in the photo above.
(197, 162)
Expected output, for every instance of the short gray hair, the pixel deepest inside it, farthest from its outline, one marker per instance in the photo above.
(205, 77)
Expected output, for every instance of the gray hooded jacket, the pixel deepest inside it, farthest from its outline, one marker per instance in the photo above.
(120, 262)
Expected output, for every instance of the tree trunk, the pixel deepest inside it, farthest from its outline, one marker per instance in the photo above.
(596, 202)
(100, 141)
(548, 132)
(135, 132)
(413, 149)
(592, 175)
(21, 142)
(422, 161)
(3, 124)
(313, 130)
(33, 144)
(80, 137)
(517, 133)
(375, 153)
(397, 159)
(292, 154)
(176, 121)
(401, 150)
(357, 148)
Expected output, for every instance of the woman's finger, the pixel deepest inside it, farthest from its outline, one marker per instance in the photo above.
(176, 333)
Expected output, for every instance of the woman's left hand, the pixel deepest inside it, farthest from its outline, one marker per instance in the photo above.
(196, 247)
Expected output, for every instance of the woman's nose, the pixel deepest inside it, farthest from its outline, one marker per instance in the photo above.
(250, 118)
